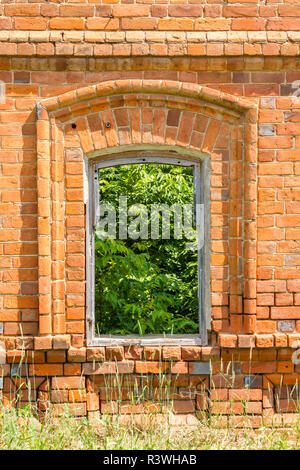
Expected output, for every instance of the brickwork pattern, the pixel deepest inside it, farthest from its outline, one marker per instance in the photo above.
(174, 28)
(200, 76)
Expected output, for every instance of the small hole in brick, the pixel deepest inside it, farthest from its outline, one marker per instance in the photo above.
(107, 125)
(73, 126)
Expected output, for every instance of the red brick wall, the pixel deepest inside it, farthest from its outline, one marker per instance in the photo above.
(153, 58)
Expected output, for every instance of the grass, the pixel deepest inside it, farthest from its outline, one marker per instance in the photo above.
(20, 429)
(26, 428)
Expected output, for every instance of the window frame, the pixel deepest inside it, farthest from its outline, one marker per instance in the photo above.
(201, 182)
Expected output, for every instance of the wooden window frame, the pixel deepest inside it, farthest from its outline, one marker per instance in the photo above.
(201, 182)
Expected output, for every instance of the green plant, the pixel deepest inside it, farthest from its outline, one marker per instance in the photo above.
(145, 285)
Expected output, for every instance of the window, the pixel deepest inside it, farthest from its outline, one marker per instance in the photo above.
(146, 251)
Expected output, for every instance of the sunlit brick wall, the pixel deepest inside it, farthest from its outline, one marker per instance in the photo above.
(249, 50)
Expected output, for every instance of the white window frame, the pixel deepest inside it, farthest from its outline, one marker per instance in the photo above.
(201, 196)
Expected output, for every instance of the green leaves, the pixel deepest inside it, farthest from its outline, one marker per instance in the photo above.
(145, 286)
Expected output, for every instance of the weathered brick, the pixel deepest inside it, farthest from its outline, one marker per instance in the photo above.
(91, 52)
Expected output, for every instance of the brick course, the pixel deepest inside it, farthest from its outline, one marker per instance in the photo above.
(211, 77)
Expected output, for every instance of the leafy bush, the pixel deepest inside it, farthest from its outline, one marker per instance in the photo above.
(146, 286)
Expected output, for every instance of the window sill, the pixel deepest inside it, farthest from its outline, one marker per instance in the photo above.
(151, 340)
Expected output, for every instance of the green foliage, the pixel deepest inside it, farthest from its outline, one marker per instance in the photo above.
(146, 286)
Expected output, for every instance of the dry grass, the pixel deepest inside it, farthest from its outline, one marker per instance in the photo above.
(20, 429)
(26, 429)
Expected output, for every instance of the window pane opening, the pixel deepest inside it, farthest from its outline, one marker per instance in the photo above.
(147, 250)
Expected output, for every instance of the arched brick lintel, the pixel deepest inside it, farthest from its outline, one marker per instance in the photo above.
(166, 87)
(55, 119)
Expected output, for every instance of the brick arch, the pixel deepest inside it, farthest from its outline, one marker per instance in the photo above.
(145, 115)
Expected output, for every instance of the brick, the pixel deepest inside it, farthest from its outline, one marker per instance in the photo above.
(187, 406)
(246, 341)
(232, 11)
(228, 341)
(95, 354)
(180, 367)
(77, 355)
(171, 353)
(76, 10)
(56, 356)
(185, 10)
(209, 24)
(77, 396)
(236, 50)
(76, 409)
(285, 312)
(67, 383)
(61, 342)
(199, 368)
(92, 401)
(123, 367)
(130, 10)
(114, 353)
(21, 10)
(190, 353)
(153, 367)
(36, 24)
(66, 24)
(138, 24)
(133, 352)
(278, 24)
(152, 353)
(251, 24)
(47, 370)
(264, 341)
(175, 25)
